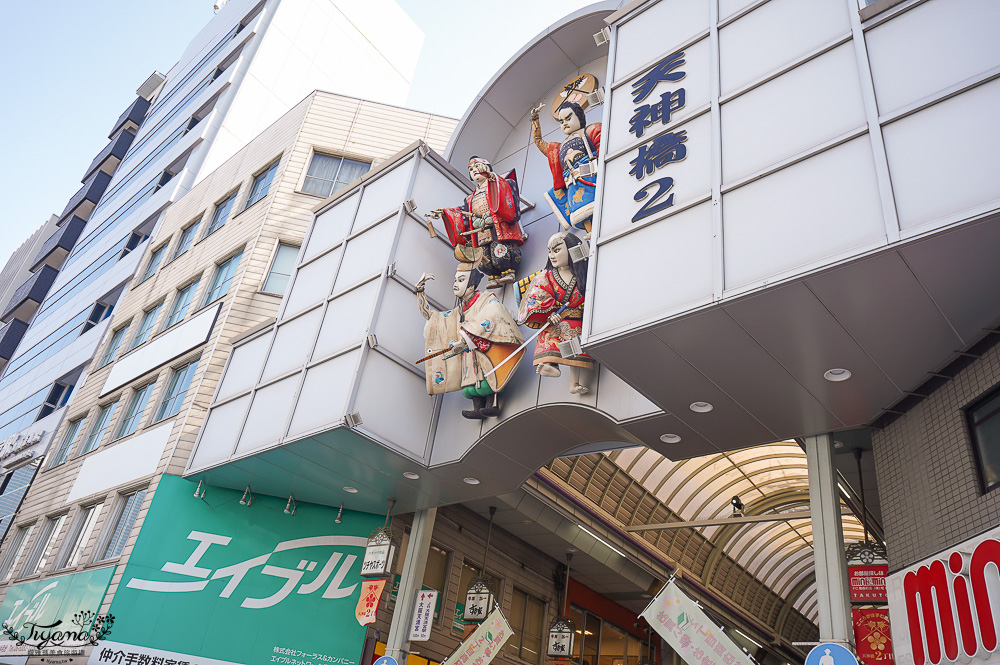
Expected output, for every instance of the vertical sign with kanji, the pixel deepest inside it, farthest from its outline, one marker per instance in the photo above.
(689, 631)
(872, 635)
(423, 616)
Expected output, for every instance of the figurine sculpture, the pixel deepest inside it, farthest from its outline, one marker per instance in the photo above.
(486, 229)
(474, 347)
(573, 164)
(553, 301)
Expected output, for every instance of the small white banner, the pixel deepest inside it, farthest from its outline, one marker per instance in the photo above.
(423, 616)
(689, 631)
(485, 642)
(376, 560)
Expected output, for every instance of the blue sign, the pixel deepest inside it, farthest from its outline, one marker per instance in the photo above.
(389, 660)
(828, 654)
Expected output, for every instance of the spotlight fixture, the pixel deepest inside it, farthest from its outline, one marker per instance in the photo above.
(247, 499)
(199, 492)
(411, 475)
(701, 407)
(737, 506)
(340, 515)
(837, 374)
(670, 438)
(470, 481)
(351, 490)
(291, 505)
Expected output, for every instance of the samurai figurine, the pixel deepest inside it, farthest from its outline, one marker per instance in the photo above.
(486, 229)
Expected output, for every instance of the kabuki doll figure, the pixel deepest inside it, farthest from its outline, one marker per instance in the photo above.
(573, 164)
(554, 300)
(473, 347)
(486, 229)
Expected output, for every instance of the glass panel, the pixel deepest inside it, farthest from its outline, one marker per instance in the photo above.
(179, 309)
(322, 175)
(100, 425)
(223, 277)
(281, 269)
(72, 431)
(154, 263)
(612, 645)
(261, 185)
(176, 390)
(146, 326)
(517, 605)
(135, 410)
(113, 345)
(221, 214)
(579, 618)
(42, 553)
(350, 171)
(79, 537)
(14, 552)
(128, 511)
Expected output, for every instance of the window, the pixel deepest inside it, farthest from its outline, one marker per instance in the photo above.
(221, 214)
(154, 262)
(526, 616)
(598, 641)
(134, 240)
(983, 417)
(41, 554)
(69, 438)
(57, 398)
(14, 551)
(78, 537)
(135, 409)
(146, 325)
(181, 302)
(261, 184)
(176, 390)
(101, 423)
(98, 313)
(328, 174)
(187, 235)
(281, 269)
(113, 346)
(222, 278)
(124, 517)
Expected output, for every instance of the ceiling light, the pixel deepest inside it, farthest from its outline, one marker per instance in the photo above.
(527, 522)
(470, 481)
(837, 374)
(351, 490)
(599, 539)
(412, 475)
(670, 438)
(701, 407)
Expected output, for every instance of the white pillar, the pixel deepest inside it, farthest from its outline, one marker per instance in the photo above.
(410, 581)
(835, 623)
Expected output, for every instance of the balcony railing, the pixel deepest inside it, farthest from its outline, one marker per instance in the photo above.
(113, 152)
(58, 245)
(133, 115)
(85, 200)
(10, 336)
(30, 295)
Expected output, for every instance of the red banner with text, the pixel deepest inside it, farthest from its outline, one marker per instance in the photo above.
(868, 583)
(871, 634)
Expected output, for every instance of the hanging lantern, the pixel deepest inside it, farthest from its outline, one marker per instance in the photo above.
(478, 599)
(379, 554)
(560, 644)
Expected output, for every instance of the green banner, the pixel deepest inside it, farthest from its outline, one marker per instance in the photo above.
(44, 602)
(216, 581)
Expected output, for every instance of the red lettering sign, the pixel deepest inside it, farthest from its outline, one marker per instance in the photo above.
(871, 635)
(867, 583)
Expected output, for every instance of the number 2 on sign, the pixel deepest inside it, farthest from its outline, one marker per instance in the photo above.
(651, 207)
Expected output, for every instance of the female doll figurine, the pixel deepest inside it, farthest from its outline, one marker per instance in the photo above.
(555, 297)
(573, 164)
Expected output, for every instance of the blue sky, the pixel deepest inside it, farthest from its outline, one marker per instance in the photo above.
(70, 68)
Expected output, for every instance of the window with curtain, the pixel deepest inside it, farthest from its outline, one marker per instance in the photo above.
(327, 174)
(281, 269)
(79, 536)
(124, 518)
(261, 185)
(527, 614)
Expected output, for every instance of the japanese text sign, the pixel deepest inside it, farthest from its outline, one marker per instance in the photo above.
(871, 635)
(423, 616)
(689, 631)
(212, 579)
(371, 593)
(867, 583)
(485, 642)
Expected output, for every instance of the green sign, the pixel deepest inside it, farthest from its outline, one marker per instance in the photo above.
(44, 602)
(216, 581)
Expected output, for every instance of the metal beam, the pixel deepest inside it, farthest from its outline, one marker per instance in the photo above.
(779, 517)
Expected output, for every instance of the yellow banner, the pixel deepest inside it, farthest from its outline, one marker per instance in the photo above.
(371, 592)
(485, 643)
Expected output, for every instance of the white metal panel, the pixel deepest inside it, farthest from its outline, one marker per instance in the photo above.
(814, 102)
(656, 32)
(162, 349)
(655, 271)
(386, 384)
(244, 366)
(813, 210)
(418, 253)
(332, 226)
(382, 195)
(120, 464)
(691, 180)
(729, 7)
(265, 423)
(774, 35)
(399, 323)
(697, 88)
(291, 344)
(219, 434)
(311, 284)
(366, 255)
(346, 320)
(946, 158)
(454, 434)
(433, 189)
(323, 400)
(931, 47)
